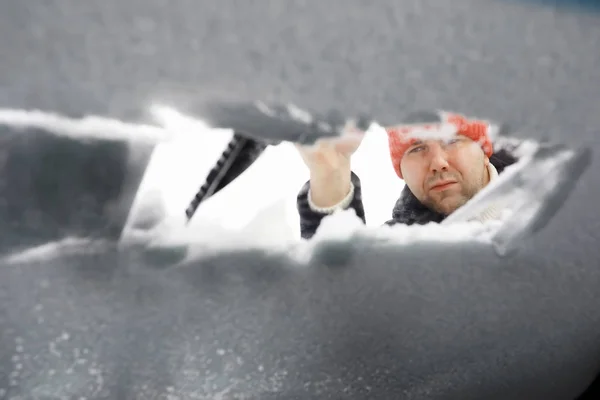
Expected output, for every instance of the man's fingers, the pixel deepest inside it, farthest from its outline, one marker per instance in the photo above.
(348, 144)
(330, 152)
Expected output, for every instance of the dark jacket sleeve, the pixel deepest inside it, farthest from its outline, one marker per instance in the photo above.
(310, 220)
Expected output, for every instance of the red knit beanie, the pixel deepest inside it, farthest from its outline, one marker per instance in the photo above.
(401, 137)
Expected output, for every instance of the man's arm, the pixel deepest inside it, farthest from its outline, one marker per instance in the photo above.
(311, 215)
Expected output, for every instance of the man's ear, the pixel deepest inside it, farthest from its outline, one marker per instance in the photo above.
(486, 160)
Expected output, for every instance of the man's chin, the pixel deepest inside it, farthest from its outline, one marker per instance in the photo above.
(449, 204)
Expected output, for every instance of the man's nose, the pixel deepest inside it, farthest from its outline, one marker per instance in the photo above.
(439, 160)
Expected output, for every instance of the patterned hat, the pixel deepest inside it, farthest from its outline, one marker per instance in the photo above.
(438, 125)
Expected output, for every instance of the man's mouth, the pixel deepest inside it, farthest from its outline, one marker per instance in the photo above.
(442, 185)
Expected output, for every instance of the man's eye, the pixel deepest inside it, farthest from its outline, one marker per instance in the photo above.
(415, 149)
(455, 140)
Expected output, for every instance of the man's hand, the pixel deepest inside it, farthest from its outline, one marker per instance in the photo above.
(328, 161)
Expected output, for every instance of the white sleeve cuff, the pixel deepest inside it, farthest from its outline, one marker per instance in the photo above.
(339, 206)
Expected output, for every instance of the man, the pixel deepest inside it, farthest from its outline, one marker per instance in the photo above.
(444, 159)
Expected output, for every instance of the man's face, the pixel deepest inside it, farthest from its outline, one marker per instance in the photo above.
(444, 175)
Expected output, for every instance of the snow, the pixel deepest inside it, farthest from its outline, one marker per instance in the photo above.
(88, 127)
(68, 245)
